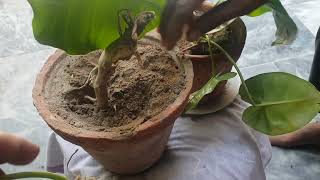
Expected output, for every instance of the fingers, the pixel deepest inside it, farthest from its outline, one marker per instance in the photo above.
(220, 14)
(194, 32)
(1, 172)
(175, 16)
(16, 150)
(179, 14)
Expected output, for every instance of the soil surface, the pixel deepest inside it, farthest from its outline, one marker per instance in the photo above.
(222, 37)
(136, 92)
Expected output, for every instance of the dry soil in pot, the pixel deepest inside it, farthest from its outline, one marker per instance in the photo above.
(136, 91)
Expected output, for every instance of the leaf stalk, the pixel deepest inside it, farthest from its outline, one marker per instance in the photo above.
(22, 175)
(237, 69)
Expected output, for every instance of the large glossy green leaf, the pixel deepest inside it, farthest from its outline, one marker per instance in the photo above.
(284, 103)
(208, 88)
(80, 26)
(286, 27)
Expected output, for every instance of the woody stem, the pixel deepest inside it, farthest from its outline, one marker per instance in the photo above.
(100, 83)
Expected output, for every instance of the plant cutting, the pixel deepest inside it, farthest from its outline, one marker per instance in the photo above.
(121, 98)
(209, 61)
(276, 109)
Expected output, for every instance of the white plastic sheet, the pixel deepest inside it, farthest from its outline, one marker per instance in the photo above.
(217, 146)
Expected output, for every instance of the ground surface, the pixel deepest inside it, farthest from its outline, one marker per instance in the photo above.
(21, 57)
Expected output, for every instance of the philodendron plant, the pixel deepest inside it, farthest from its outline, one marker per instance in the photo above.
(280, 102)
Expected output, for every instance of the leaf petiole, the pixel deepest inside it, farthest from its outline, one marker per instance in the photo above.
(211, 55)
(22, 175)
(237, 69)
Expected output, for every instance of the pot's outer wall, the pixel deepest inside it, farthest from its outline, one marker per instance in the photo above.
(118, 153)
(202, 65)
(134, 156)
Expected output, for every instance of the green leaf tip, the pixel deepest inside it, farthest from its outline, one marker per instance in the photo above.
(208, 88)
(260, 11)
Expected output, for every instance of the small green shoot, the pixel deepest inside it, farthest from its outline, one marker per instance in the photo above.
(23, 175)
(208, 88)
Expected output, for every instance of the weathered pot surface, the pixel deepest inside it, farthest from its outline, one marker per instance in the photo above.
(202, 63)
(118, 153)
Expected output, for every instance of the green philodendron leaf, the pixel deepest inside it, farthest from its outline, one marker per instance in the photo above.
(284, 103)
(208, 88)
(81, 26)
(286, 27)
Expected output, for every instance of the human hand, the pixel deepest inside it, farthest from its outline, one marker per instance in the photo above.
(16, 150)
(178, 17)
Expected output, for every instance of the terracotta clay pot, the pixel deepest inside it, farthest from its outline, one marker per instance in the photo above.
(118, 153)
(202, 63)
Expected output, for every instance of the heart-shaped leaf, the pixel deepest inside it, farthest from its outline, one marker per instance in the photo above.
(81, 26)
(283, 103)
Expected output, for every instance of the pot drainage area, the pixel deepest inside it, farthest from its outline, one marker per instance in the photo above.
(21, 57)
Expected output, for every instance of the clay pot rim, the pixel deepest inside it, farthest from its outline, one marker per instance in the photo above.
(236, 23)
(78, 135)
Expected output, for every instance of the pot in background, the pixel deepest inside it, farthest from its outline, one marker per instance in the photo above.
(202, 63)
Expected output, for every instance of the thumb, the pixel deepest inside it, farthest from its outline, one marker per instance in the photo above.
(16, 150)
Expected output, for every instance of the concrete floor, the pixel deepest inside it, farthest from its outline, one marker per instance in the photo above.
(21, 57)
